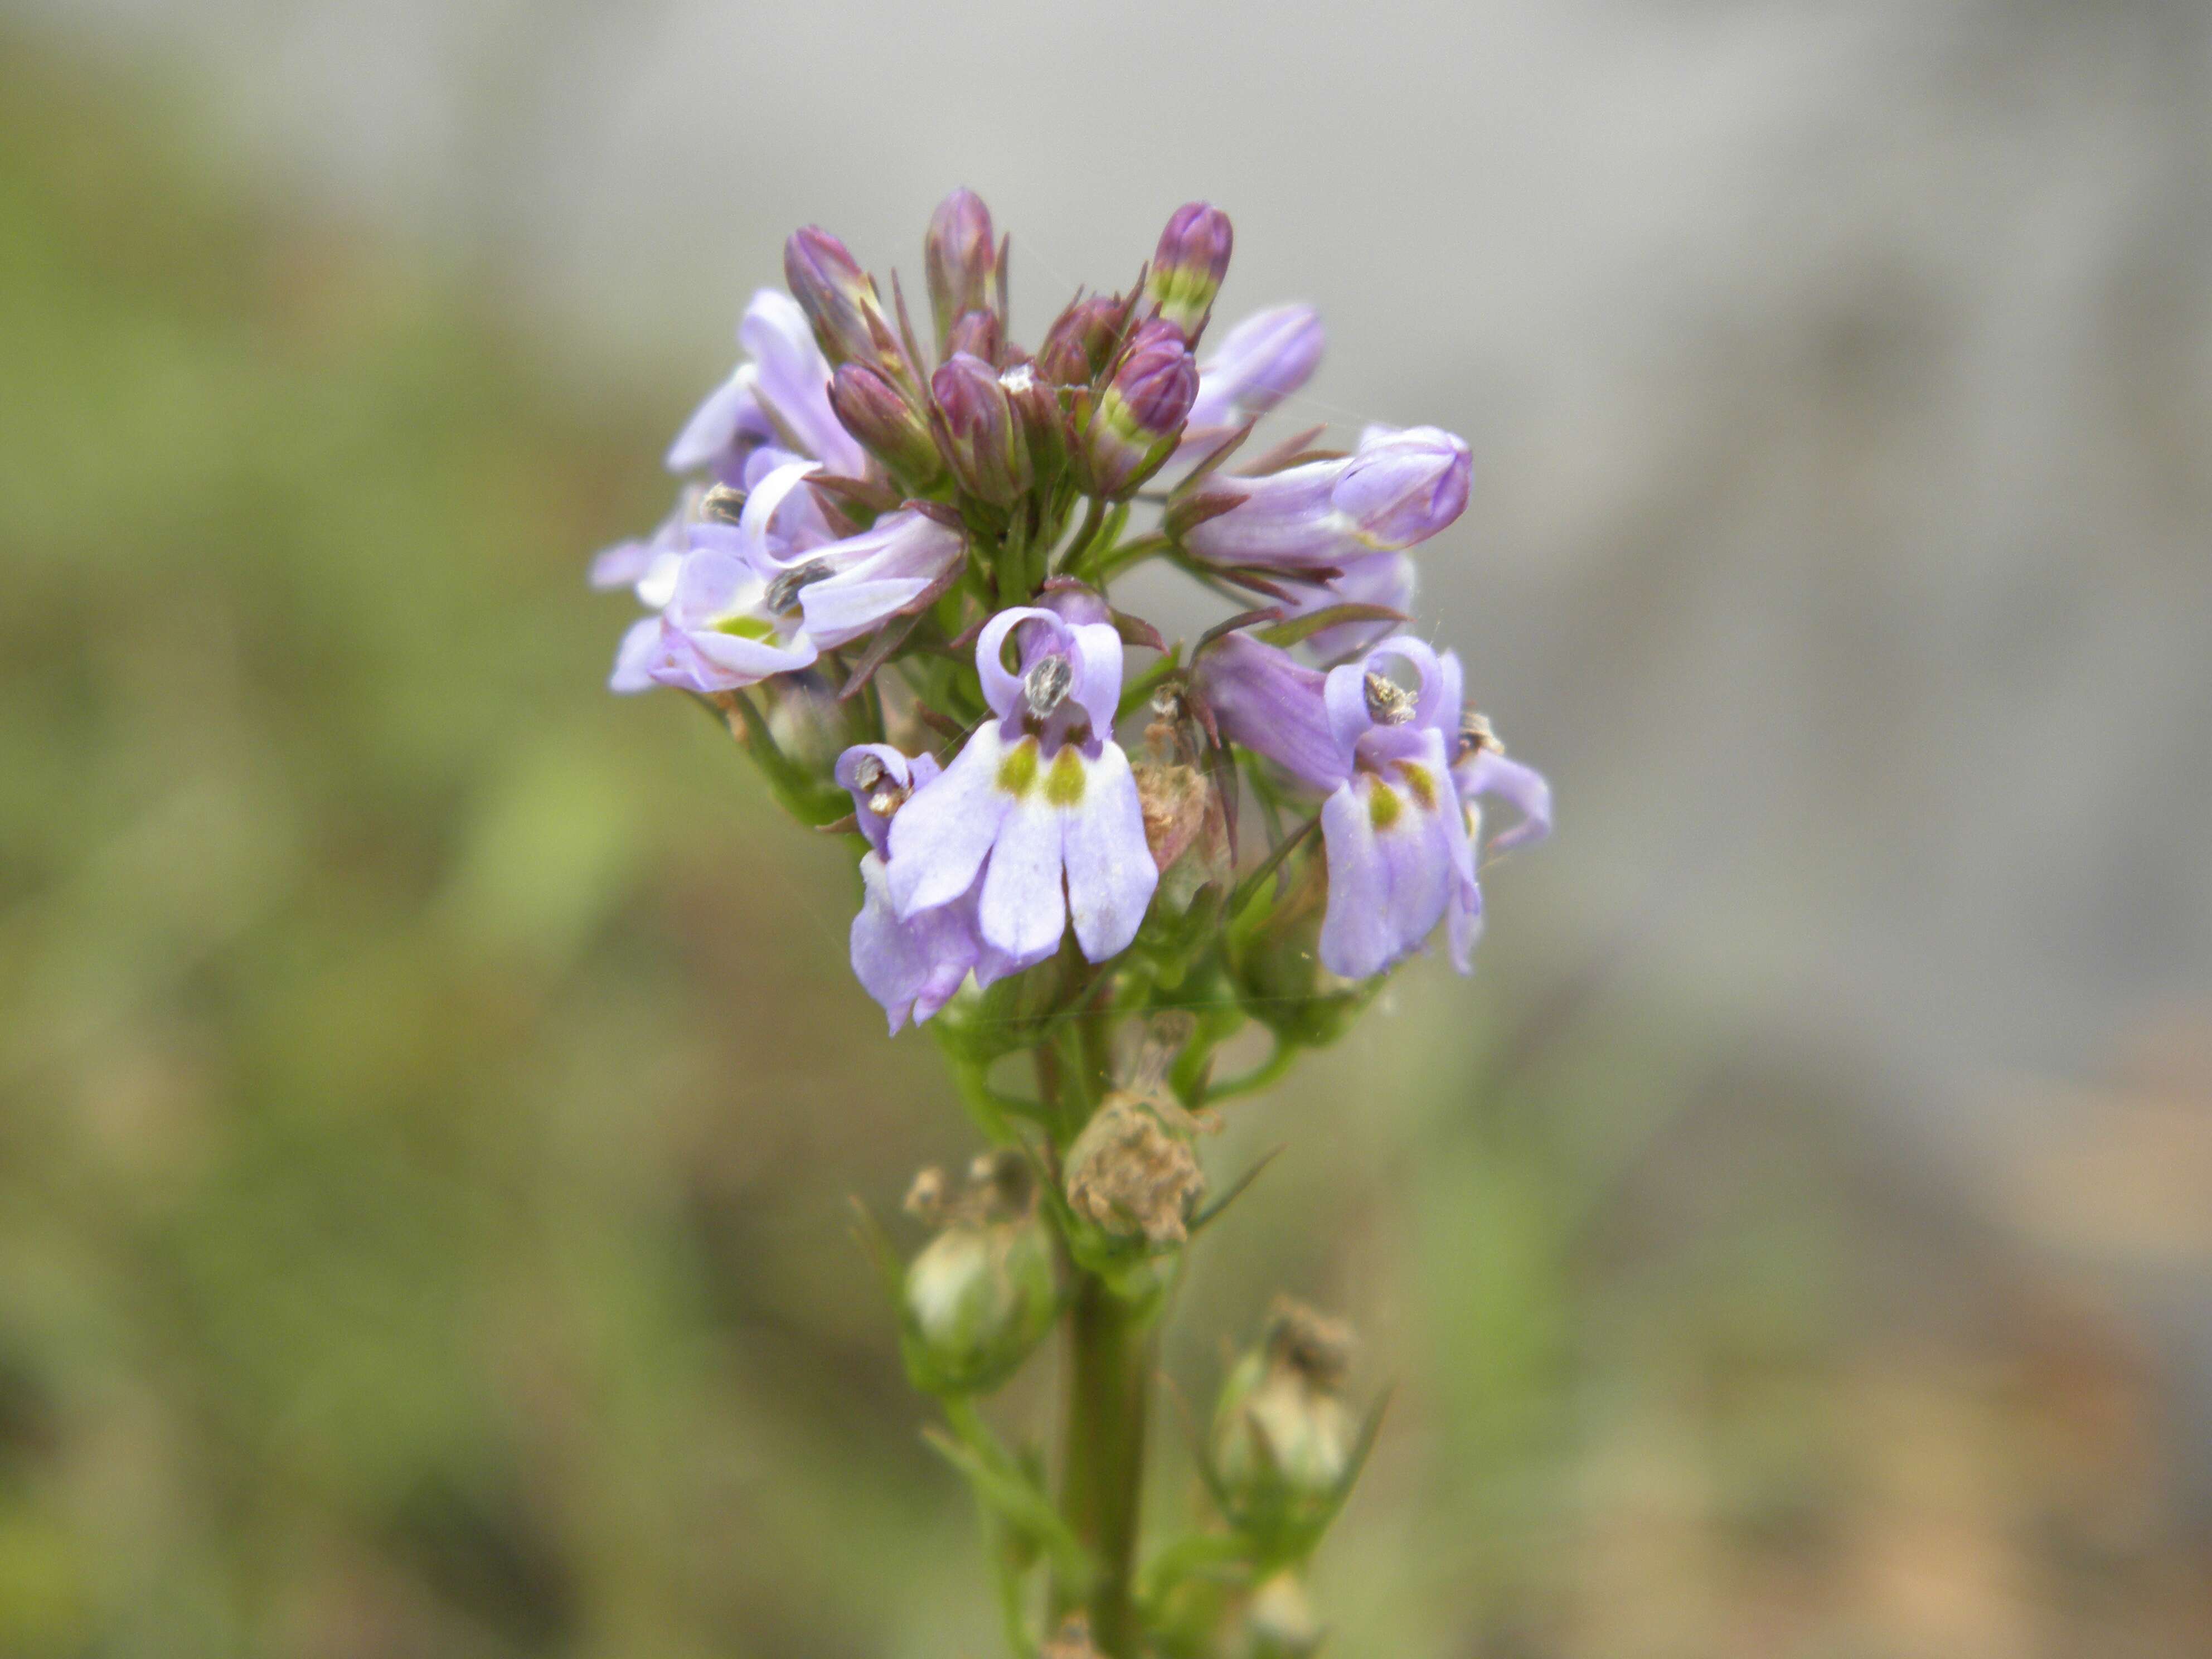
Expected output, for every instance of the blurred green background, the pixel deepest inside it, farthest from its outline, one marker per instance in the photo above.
(431, 1090)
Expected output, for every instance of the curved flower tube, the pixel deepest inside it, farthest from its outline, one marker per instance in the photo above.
(1398, 488)
(1260, 361)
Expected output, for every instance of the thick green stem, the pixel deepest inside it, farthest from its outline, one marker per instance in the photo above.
(1103, 1469)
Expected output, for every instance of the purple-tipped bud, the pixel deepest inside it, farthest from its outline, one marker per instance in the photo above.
(978, 334)
(840, 302)
(1187, 267)
(878, 413)
(1081, 340)
(1132, 429)
(977, 432)
(960, 256)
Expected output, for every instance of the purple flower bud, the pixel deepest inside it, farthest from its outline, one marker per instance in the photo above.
(977, 431)
(1398, 488)
(978, 334)
(878, 413)
(1081, 340)
(1264, 358)
(1188, 266)
(840, 302)
(1133, 430)
(960, 257)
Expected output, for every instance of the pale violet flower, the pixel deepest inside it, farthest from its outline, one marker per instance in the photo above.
(1402, 764)
(1397, 487)
(1260, 361)
(1041, 803)
(911, 965)
(778, 399)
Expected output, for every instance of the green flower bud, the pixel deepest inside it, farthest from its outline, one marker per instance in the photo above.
(980, 1295)
(1283, 1438)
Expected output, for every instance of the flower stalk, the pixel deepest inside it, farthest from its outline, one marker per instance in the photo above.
(1113, 868)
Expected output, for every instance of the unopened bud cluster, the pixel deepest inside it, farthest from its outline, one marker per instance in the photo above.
(891, 571)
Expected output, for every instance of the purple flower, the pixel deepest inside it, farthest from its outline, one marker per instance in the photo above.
(912, 966)
(768, 594)
(1482, 769)
(1397, 837)
(1264, 358)
(721, 628)
(1040, 806)
(649, 566)
(844, 589)
(1398, 488)
(782, 395)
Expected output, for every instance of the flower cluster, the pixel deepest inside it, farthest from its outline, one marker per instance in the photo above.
(889, 570)
(916, 540)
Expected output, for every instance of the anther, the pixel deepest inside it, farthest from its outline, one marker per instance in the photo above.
(1475, 735)
(783, 592)
(723, 504)
(1045, 687)
(1388, 703)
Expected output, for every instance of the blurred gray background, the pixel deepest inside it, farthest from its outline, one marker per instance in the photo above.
(1840, 382)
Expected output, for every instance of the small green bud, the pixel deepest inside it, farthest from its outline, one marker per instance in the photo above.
(980, 1295)
(1282, 1438)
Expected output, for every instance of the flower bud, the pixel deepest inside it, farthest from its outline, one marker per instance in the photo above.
(1188, 266)
(978, 334)
(981, 1296)
(878, 413)
(1043, 423)
(1080, 343)
(1284, 1440)
(976, 430)
(840, 302)
(1132, 429)
(960, 258)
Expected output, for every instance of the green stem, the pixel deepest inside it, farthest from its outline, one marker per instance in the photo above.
(1102, 1474)
(1094, 513)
